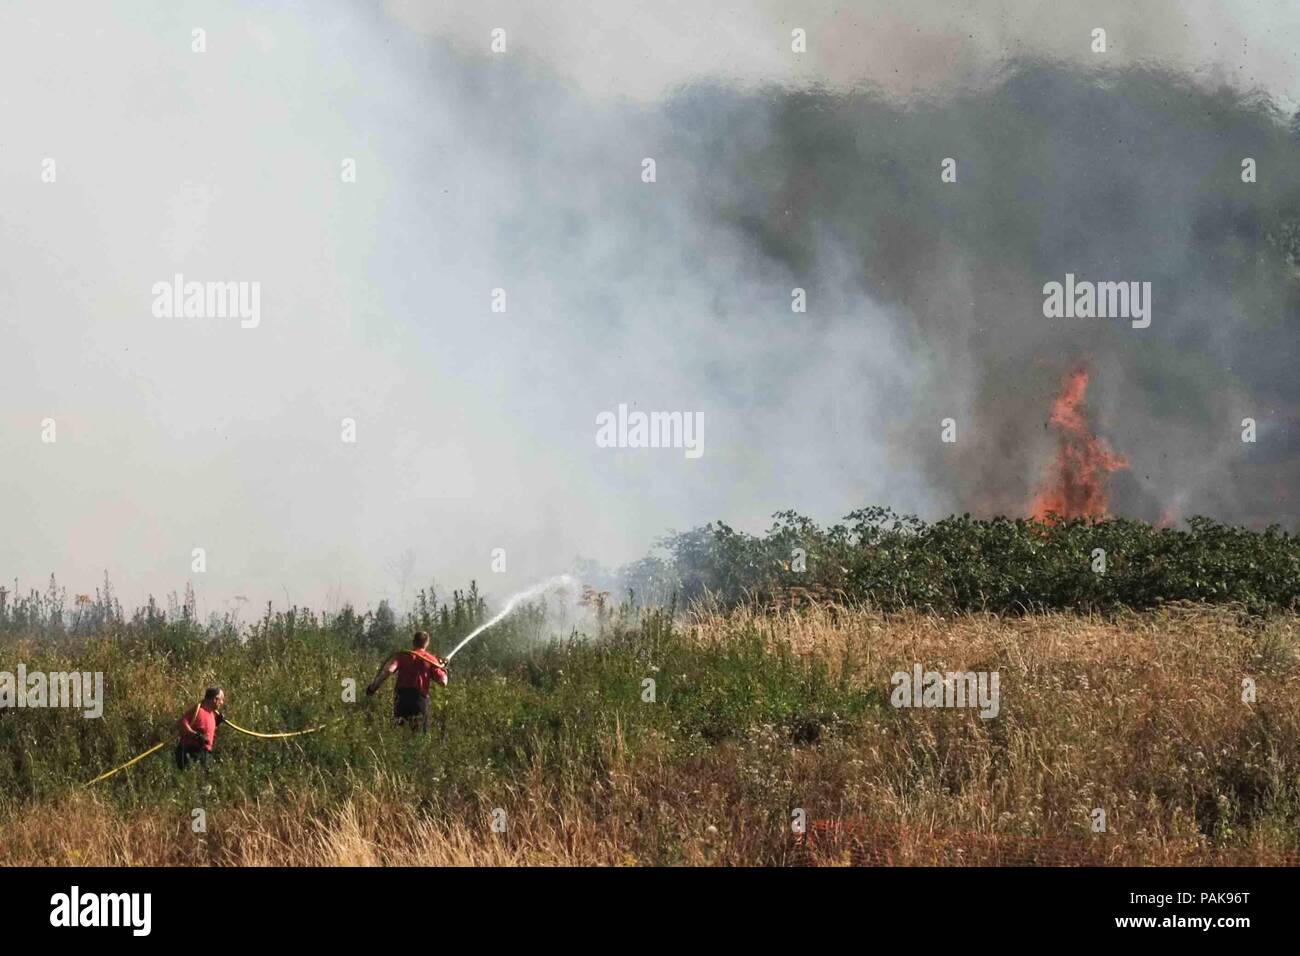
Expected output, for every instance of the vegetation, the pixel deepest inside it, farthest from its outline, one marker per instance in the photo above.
(644, 733)
(1004, 565)
(753, 713)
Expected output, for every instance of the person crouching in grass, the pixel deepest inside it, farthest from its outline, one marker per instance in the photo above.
(198, 729)
(416, 670)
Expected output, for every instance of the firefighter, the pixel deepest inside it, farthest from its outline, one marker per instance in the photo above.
(416, 670)
(198, 729)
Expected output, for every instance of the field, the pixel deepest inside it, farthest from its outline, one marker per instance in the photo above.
(755, 712)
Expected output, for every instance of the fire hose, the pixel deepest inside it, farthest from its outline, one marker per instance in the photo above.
(233, 726)
(225, 720)
(510, 605)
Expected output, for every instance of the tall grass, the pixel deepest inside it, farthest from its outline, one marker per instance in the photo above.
(755, 713)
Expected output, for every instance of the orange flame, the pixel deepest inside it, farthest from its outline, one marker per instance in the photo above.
(1077, 487)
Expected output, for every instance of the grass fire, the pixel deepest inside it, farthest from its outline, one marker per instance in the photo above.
(1077, 484)
(357, 507)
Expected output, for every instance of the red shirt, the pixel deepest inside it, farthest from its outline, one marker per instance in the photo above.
(418, 669)
(204, 720)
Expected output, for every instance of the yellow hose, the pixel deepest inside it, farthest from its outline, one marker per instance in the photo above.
(254, 733)
(104, 776)
(233, 726)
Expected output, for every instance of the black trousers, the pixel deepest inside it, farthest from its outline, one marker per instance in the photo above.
(410, 704)
(189, 755)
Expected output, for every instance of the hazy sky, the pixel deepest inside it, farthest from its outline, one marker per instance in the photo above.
(475, 171)
(906, 47)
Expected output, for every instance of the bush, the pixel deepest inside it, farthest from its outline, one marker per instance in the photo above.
(998, 564)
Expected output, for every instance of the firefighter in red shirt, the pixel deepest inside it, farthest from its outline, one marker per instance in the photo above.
(416, 670)
(198, 729)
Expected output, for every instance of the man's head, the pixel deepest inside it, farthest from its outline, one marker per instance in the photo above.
(421, 640)
(214, 698)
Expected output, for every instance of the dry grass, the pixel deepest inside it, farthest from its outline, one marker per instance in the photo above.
(1140, 716)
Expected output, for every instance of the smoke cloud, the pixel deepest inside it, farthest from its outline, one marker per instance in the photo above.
(522, 171)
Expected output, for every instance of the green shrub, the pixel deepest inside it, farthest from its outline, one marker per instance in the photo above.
(998, 564)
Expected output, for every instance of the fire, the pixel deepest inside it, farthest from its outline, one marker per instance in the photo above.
(1077, 487)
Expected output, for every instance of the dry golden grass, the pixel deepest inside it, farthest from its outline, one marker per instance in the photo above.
(1140, 716)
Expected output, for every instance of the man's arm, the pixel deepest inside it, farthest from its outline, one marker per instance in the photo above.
(188, 731)
(385, 670)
